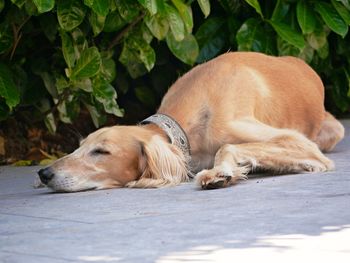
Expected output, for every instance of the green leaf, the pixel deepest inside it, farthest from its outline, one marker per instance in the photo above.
(96, 113)
(306, 17)
(97, 22)
(83, 84)
(175, 22)
(70, 13)
(288, 34)
(150, 5)
(255, 4)
(342, 11)
(101, 7)
(44, 5)
(108, 69)
(106, 94)
(211, 38)
(67, 49)
(186, 50)
(253, 37)
(205, 7)
(345, 3)
(331, 17)
(128, 10)
(136, 51)
(79, 42)
(50, 123)
(8, 89)
(185, 13)
(87, 65)
(6, 37)
(317, 39)
(114, 22)
(69, 109)
(280, 11)
(323, 52)
(49, 83)
(158, 25)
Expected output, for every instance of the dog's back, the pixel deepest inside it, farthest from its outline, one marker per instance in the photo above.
(283, 92)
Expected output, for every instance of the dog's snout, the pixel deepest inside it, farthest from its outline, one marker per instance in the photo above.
(46, 174)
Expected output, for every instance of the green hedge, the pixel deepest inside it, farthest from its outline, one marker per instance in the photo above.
(59, 56)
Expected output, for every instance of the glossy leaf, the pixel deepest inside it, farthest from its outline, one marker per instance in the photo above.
(211, 38)
(87, 65)
(280, 11)
(70, 14)
(67, 49)
(108, 69)
(106, 94)
(252, 37)
(288, 34)
(114, 22)
(158, 25)
(175, 22)
(345, 3)
(306, 17)
(69, 110)
(342, 11)
(186, 50)
(44, 5)
(331, 17)
(101, 7)
(150, 5)
(136, 51)
(97, 22)
(8, 89)
(185, 13)
(205, 6)
(256, 5)
(128, 10)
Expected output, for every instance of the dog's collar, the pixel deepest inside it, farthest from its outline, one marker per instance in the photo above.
(173, 130)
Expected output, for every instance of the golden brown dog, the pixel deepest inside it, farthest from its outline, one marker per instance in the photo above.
(241, 112)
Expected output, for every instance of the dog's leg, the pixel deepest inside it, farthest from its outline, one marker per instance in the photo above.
(286, 151)
(331, 132)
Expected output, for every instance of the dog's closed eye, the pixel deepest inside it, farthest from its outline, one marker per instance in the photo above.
(99, 151)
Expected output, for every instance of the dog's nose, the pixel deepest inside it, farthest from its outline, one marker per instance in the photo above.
(46, 174)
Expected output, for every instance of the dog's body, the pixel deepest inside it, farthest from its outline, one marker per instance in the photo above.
(245, 110)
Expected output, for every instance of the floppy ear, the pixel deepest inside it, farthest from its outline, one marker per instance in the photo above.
(161, 164)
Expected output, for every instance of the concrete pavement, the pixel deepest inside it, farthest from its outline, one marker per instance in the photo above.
(279, 218)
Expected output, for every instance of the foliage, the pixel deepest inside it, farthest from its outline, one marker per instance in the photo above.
(59, 57)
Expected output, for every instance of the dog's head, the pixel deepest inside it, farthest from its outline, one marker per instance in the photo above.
(115, 157)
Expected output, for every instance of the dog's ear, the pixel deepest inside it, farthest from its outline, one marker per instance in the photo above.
(160, 164)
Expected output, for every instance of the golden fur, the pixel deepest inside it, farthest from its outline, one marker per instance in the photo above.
(242, 111)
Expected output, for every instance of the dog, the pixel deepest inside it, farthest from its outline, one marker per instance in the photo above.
(238, 113)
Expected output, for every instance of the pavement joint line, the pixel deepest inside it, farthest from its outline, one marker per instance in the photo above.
(37, 255)
(48, 218)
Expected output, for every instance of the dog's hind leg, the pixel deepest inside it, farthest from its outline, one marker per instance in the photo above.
(287, 151)
(331, 132)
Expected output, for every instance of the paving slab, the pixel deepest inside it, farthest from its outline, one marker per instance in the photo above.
(279, 218)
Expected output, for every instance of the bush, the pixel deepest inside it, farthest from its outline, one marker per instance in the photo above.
(58, 57)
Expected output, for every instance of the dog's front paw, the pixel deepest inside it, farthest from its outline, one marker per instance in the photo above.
(213, 179)
(219, 178)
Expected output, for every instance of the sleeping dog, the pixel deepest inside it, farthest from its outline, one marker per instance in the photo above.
(238, 113)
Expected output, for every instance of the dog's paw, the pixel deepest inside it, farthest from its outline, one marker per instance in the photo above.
(216, 178)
